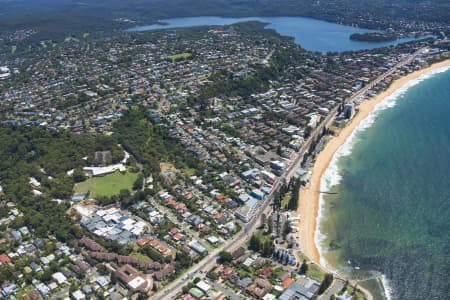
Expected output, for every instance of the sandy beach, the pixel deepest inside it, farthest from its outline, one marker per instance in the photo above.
(309, 197)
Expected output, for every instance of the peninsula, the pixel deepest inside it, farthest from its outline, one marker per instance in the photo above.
(373, 37)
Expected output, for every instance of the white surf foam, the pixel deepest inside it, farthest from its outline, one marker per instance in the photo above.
(332, 176)
(387, 288)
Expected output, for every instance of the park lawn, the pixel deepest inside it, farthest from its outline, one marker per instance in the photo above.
(262, 237)
(302, 257)
(140, 256)
(181, 56)
(13, 49)
(108, 185)
(285, 200)
(315, 272)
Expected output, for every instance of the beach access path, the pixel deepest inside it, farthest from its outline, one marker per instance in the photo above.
(334, 288)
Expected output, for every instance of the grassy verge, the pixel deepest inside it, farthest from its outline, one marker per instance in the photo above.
(357, 295)
(314, 271)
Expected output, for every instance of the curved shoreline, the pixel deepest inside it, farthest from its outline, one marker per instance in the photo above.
(309, 197)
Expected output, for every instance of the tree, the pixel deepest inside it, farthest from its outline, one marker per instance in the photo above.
(326, 282)
(267, 248)
(78, 175)
(254, 243)
(354, 290)
(124, 194)
(286, 229)
(183, 259)
(46, 276)
(113, 278)
(283, 189)
(142, 296)
(293, 201)
(279, 150)
(263, 220)
(307, 132)
(270, 226)
(138, 183)
(303, 268)
(225, 257)
(277, 201)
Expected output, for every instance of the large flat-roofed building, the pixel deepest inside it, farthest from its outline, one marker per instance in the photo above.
(302, 289)
(248, 210)
(134, 280)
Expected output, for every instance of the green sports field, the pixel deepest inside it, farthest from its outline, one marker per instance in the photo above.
(108, 185)
(181, 56)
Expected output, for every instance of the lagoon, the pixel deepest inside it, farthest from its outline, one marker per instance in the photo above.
(310, 34)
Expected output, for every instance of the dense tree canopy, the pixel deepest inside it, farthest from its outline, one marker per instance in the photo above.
(47, 156)
(150, 144)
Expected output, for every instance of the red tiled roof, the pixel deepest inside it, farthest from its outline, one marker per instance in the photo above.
(266, 271)
(154, 243)
(178, 236)
(162, 249)
(287, 282)
(4, 259)
(143, 241)
(90, 244)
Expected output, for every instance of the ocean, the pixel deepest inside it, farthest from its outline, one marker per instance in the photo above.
(310, 34)
(390, 221)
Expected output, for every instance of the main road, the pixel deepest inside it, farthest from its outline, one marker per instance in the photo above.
(330, 117)
(170, 291)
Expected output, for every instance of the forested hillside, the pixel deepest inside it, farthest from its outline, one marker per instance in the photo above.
(46, 156)
(95, 16)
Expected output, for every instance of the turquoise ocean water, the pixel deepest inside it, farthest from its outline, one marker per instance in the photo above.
(391, 215)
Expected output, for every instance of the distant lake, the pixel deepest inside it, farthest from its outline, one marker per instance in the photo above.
(311, 34)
